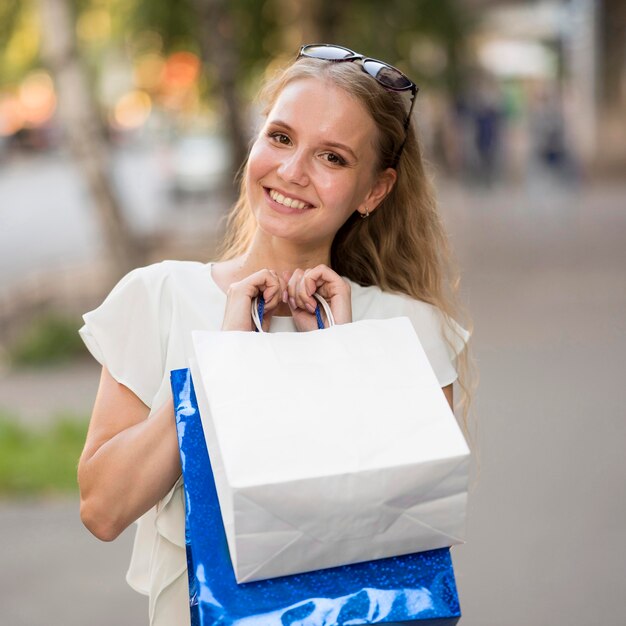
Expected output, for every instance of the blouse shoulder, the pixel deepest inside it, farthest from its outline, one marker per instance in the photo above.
(157, 274)
(442, 337)
(128, 332)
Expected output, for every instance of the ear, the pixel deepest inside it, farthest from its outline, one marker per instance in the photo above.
(380, 190)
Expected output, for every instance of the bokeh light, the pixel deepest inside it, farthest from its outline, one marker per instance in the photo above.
(37, 98)
(94, 25)
(11, 117)
(149, 71)
(132, 110)
(181, 70)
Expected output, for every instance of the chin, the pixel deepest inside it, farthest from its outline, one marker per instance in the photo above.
(294, 233)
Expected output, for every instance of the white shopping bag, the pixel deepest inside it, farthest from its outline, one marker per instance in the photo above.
(329, 447)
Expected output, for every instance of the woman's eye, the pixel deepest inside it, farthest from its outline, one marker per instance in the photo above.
(335, 159)
(280, 138)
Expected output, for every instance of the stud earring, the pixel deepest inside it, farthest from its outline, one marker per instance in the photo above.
(366, 214)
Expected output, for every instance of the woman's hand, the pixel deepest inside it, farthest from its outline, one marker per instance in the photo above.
(266, 283)
(301, 286)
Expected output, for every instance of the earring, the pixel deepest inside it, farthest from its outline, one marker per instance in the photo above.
(367, 213)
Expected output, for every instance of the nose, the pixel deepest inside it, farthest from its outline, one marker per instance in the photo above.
(293, 168)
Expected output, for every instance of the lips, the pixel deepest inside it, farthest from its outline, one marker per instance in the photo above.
(287, 200)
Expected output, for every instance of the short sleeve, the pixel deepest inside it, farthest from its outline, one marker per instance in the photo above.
(442, 338)
(125, 333)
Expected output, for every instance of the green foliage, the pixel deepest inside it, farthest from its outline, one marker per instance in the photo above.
(389, 31)
(37, 462)
(18, 40)
(51, 339)
(9, 13)
(174, 21)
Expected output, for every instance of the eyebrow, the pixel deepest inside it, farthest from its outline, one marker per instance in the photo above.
(331, 144)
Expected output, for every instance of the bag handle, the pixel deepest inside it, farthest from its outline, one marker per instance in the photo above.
(258, 307)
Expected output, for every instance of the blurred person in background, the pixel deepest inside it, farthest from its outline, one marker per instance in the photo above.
(550, 156)
(334, 200)
(486, 114)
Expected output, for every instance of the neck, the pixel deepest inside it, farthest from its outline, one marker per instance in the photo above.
(280, 255)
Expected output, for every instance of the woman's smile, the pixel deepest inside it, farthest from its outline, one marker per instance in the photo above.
(280, 200)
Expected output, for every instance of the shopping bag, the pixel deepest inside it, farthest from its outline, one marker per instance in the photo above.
(415, 589)
(329, 447)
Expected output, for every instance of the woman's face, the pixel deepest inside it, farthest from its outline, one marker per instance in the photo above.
(313, 163)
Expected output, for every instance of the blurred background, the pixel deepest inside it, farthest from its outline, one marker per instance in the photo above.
(122, 126)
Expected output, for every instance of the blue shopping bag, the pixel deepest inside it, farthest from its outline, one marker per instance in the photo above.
(413, 589)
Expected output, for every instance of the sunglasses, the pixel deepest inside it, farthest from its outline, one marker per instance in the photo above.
(386, 75)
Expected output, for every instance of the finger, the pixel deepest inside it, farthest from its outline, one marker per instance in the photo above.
(335, 289)
(304, 321)
(304, 298)
(272, 291)
(265, 282)
(326, 281)
(292, 288)
(285, 281)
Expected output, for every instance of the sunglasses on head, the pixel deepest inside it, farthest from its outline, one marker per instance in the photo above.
(387, 75)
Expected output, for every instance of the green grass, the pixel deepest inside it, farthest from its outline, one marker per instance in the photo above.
(50, 339)
(35, 461)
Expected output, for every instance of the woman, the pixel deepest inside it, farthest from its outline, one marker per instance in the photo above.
(333, 200)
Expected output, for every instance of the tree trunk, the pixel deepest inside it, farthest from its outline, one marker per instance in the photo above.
(329, 17)
(219, 48)
(83, 130)
(612, 94)
(613, 43)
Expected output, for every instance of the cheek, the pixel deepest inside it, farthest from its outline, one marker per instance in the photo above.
(259, 160)
(253, 161)
(345, 193)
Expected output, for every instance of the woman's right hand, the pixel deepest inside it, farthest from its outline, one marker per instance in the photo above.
(266, 283)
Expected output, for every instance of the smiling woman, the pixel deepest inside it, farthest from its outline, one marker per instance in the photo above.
(316, 152)
(334, 202)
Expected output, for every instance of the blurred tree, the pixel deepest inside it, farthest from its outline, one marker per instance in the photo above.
(236, 39)
(613, 50)
(328, 17)
(229, 37)
(18, 39)
(425, 38)
(83, 128)
(611, 86)
(218, 44)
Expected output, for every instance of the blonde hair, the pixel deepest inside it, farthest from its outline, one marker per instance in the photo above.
(402, 246)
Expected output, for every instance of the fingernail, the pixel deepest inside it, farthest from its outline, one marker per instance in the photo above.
(285, 296)
(292, 303)
(310, 308)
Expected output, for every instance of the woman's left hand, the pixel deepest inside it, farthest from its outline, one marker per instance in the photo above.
(301, 286)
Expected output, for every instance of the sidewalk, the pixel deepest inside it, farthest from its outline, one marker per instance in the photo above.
(54, 572)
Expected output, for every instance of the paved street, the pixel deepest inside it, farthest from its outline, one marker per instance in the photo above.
(55, 573)
(544, 277)
(57, 212)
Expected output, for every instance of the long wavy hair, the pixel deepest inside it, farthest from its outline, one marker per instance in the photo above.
(402, 246)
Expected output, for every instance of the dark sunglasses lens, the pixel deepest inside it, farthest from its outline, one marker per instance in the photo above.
(387, 75)
(328, 53)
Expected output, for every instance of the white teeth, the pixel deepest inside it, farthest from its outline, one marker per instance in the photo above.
(290, 202)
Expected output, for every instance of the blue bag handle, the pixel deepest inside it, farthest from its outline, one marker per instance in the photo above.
(258, 309)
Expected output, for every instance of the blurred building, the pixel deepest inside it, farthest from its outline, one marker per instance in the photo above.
(566, 61)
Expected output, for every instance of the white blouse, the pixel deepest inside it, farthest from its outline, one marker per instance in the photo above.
(142, 331)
